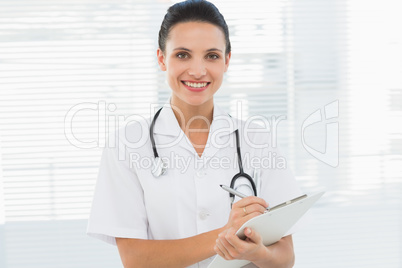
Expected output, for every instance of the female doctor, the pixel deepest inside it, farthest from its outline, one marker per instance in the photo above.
(183, 218)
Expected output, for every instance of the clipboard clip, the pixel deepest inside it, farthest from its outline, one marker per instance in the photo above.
(287, 202)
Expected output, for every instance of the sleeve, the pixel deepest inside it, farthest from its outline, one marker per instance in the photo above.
(118, 208)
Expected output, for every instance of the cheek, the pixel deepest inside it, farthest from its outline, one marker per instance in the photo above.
(175, 70)
(217, 72)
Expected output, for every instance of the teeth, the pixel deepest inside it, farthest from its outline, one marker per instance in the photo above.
(196, 85)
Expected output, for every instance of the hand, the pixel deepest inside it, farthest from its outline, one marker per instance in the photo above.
(229, 246)
(244, 210)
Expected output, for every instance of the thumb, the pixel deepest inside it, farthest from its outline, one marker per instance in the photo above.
(252, 235)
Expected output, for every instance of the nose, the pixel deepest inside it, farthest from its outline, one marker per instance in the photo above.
(197, 69)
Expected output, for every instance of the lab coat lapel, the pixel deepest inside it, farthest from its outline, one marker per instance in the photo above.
(168, 131)
(166, 124)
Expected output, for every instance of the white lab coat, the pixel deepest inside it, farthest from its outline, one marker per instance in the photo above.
(130, 202)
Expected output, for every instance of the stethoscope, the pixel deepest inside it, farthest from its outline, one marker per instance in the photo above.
(159, 166)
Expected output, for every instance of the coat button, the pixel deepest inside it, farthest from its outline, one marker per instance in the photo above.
(203, 215)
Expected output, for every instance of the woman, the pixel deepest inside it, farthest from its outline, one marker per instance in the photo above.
(183, 218)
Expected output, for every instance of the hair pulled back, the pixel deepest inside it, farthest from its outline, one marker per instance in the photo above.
(192, 11)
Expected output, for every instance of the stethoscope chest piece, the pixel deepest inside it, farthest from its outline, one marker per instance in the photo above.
(159, 167)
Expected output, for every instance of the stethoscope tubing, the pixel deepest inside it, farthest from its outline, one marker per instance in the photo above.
(235, 177)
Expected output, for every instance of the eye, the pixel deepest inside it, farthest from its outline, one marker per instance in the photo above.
(213, 56)
(182, 55)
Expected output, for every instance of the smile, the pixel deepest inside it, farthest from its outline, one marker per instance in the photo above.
(196, 87)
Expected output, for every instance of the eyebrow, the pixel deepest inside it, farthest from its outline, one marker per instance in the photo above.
(186, 49)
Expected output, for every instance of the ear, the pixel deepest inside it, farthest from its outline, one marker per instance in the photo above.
(161, 59)
(227, 59)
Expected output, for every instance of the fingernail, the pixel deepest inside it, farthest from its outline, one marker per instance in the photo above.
(247, 231)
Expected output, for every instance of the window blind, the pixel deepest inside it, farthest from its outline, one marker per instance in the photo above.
(290, 60)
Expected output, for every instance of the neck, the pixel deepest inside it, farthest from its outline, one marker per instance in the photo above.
(192, 116)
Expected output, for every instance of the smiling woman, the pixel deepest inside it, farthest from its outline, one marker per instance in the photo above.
(200, 222)
(289, 59)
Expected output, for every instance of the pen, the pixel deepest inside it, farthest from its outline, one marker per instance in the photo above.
(233, 191)
(230, 190)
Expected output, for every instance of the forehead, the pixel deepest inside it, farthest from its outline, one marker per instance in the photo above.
(196, 34)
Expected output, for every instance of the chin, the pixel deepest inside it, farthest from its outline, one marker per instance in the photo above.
(196, 100)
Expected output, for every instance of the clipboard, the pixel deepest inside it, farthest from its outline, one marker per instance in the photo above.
(272, 225)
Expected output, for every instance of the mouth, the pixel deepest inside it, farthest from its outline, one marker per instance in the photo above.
(196, 86)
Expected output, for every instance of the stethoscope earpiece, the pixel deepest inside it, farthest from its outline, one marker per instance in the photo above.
(159, 167)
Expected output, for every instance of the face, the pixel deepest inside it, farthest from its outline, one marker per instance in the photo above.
(195, 62)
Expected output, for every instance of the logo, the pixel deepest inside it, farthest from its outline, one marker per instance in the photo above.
(330, 155)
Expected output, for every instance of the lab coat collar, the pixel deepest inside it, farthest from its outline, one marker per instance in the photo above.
(166, 123)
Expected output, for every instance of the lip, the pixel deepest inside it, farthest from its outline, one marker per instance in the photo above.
(198, 89)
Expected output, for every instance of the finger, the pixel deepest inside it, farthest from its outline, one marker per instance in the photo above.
(228, 246)
(255, 208)
(230, 238)
(254, 236)
(249, 200)
(238, 222)
(235, 245)
(250, 216)
(228, 241)
(222, 248)
(224, 253)
(219, 252)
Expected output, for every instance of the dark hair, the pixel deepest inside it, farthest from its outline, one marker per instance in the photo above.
(192, 10)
